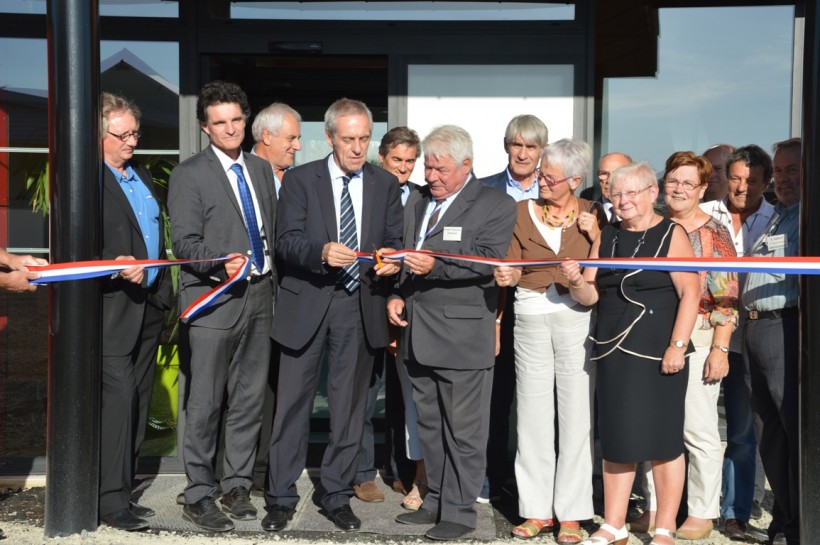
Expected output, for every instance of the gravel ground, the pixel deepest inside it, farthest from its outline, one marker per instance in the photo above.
(21, 513)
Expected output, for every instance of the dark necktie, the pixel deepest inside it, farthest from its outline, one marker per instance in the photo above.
(433, 221)
(349, 275)
(257, 250)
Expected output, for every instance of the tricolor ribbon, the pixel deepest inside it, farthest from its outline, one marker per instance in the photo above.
(80, 270)
(777, 265)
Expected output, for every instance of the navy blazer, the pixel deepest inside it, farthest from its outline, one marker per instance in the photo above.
(306, 221)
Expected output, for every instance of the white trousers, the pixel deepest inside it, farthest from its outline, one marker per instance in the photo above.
(552, 369)
(701, 438)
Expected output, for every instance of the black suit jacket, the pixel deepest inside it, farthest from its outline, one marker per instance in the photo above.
(306, 221)
(123, 301)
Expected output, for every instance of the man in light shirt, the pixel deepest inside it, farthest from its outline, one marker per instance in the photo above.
(771, 346)
(745, 213)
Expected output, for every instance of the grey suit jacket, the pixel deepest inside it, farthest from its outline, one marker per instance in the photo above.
(206, 222)
(451, 311)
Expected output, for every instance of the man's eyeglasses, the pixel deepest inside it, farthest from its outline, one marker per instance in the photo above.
(548, 180)
(629, 194)
(126, 135)
(686, 185)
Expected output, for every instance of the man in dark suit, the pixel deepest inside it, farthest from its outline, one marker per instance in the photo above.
(608, 164)
(398, 151)
(133, 308)
(222, 204)
(277, 131)
(524, 140)
(448, 309)
(327, 209)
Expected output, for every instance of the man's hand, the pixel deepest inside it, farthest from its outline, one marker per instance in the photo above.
(131, 274)
(21, 262)
(18, 281)
(336, 254)
(395, 309)
(388, 266)
(232, 265)
(419, 264)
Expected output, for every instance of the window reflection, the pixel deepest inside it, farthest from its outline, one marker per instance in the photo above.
(121, 8)
(146, 72)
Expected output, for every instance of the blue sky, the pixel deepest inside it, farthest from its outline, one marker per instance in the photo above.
(724, 75)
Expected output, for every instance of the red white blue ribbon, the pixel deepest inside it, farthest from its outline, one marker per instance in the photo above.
(80, 270)
(777, 265)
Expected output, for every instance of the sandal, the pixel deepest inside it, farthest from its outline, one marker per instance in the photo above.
(570, 532)
(415, 498)
(663, 532)
(619, 537)
(532, 527)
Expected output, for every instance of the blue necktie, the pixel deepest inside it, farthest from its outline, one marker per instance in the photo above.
(258, 251)
(349, 275)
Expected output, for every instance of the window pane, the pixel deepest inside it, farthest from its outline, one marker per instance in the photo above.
(480, 99)
(724, 76)
(134, 8)
(405, 11)
(146, 72)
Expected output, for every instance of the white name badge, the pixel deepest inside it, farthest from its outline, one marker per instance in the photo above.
(452, 234)
(776, 242)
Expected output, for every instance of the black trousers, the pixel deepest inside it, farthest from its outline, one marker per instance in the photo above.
(770, 350)
(127, 384)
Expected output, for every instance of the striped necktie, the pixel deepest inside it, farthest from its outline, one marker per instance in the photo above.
(257, 249)
(433, 221)
(349, 275)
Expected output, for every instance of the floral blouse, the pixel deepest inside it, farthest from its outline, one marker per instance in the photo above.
(718, 290)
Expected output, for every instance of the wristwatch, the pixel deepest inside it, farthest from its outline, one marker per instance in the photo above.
(677, 344)
(721, 348)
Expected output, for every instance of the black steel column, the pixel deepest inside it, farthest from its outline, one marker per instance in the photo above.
(74, 351)
(810, 286)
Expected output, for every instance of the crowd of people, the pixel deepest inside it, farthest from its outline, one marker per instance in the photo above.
(634, 358)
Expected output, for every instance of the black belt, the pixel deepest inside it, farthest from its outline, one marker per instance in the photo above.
(255, 279)
(769, 314)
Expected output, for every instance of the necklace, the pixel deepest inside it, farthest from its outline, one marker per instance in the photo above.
(557, 223)
(634, 252)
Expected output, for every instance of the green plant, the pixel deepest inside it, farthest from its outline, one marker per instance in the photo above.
(37, 190)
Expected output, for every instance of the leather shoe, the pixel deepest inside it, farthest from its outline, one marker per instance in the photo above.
(124, 519)
(142, 511)
(422, 516)
(446, 531)
(735, 529)
(368, 491)
(344, 519)
(207, 515)
(237, 503)
(277, 518)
